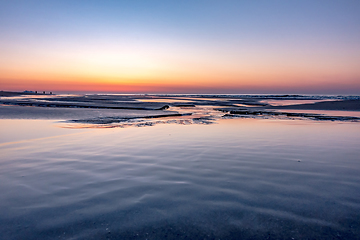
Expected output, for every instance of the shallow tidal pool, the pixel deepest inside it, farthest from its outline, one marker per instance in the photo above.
(236, 179)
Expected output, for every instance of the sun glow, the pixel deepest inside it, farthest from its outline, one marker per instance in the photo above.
(207, 54)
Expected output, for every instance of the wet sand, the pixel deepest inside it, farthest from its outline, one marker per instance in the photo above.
(238, 179)
(344, 105)
(210, 167)
(109, 109)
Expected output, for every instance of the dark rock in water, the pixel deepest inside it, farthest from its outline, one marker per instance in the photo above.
(164, 107)
(239, 112)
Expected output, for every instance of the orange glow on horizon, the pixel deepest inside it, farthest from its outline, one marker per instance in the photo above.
(173, 84)
(135, 73)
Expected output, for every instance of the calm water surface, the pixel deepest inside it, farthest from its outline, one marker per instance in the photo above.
(238, 179)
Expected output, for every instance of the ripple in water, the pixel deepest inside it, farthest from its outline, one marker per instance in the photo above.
(239, 179)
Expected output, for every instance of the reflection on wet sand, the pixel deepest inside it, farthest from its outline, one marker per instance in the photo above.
(215, 167)
(242, 178)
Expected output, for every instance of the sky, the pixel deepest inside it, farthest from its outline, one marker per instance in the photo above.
(187, 46)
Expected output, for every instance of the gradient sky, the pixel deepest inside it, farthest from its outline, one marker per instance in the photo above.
(134, 46)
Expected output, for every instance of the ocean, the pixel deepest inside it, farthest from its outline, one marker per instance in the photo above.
(177, 177)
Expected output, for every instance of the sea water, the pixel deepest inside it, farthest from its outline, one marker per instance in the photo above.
(236, 179)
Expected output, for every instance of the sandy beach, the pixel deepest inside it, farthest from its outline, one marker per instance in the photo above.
(110, 109)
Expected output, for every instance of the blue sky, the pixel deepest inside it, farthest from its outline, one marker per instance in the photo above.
(247, 45)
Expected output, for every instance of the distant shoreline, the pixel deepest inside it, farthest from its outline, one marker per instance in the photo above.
(11, 94)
